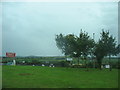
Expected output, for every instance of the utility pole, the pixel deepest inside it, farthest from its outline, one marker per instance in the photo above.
(92, 55)
(93, 36)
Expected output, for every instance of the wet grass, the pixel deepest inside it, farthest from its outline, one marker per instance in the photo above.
(57, 77)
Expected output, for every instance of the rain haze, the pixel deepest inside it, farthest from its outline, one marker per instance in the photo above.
(29, 28)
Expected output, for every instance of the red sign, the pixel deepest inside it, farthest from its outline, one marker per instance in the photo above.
(10, 54)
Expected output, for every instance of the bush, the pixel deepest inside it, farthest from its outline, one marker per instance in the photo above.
(78, 66)
(114, 65)
(90, 65)
(62, 64)
(65, 63)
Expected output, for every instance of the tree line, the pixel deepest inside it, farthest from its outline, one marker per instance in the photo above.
(83, 45)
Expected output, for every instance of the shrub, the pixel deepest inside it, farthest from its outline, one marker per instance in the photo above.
(78, 66)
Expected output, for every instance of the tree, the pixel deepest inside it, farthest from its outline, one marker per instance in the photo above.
(75, 46)
(117, 51)
(85, 44)
(65, 43)
(60, 42)
(106, 46)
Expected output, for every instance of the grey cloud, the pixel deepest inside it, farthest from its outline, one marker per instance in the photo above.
(30, 28)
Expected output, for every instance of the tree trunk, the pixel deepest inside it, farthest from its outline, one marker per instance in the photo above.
(78, 60)
(100, 67)
(86, 63)
(100, 63)
(110, 63)
(65, 56)
(93, 62)
(86, 66)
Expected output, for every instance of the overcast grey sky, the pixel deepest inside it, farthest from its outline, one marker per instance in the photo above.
(29, 28)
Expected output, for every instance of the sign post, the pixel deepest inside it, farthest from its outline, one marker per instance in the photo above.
(10, 54)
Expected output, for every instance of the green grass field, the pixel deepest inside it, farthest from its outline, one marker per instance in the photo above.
(58, 77)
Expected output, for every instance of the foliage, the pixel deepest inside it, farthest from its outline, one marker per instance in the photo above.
(65, 43)
(83, 45)
(105, 46)
(75, 46)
